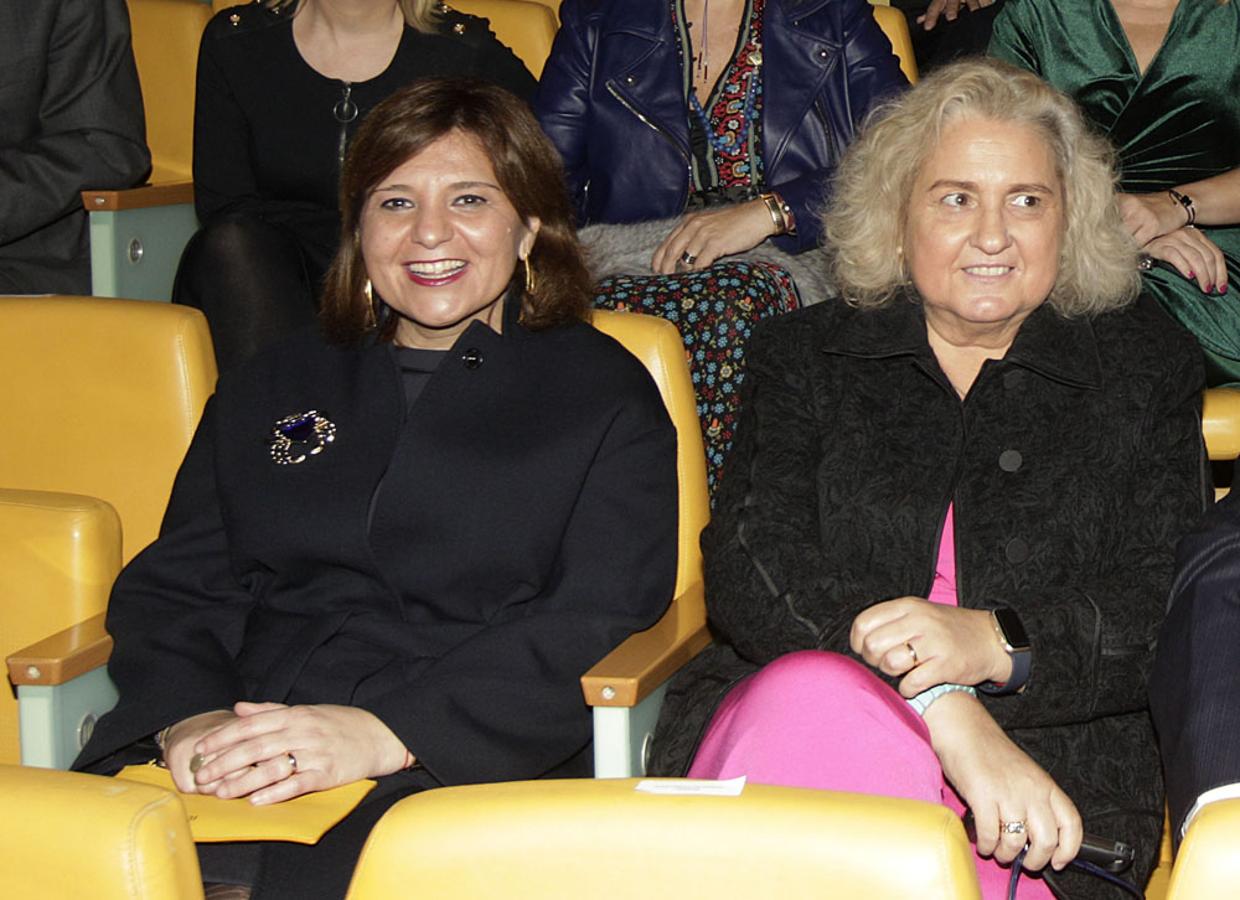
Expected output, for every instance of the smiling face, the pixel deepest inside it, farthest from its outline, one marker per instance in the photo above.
(440, 240)
(984, 229)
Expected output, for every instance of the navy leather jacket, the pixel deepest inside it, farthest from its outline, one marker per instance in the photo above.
(611, 100)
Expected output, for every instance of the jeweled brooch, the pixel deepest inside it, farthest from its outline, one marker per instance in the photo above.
(299, 436)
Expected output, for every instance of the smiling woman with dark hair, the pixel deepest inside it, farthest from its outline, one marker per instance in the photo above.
(391, 554)
(283, 86)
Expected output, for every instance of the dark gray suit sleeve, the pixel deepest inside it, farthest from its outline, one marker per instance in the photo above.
(1195, 689)
(74, 121)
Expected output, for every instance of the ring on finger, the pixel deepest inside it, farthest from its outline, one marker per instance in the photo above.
(196, 762)
(912, 651)
(1016, 826)
(688, 257)
(292, 761)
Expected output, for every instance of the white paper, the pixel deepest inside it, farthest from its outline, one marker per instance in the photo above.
(690, 787)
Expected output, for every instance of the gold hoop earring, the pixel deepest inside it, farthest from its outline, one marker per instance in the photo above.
(529, 276)
(368, 292)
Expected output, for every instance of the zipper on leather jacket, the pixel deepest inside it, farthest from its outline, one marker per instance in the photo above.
(611, 89)
(821, 112)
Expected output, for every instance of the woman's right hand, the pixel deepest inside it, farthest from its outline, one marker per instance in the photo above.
(1194, 256)
(180, 740)
(1000, 783)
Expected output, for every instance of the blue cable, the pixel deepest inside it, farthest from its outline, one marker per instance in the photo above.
(1079, 864)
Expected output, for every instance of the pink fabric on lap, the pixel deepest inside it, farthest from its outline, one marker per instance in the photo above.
(821, 720)
(944, 588)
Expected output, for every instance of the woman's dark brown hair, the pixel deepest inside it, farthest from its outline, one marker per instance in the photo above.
(526, 165)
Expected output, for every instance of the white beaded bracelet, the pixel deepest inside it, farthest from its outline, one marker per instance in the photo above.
(922, 701)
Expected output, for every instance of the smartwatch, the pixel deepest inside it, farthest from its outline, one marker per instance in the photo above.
(1015, 642)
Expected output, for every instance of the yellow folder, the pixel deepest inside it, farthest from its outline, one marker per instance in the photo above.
(302, 820)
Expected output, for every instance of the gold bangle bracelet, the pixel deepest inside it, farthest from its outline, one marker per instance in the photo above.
(780, 212)
(774, 207)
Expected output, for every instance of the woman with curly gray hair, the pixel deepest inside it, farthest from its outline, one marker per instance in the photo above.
(938, 559)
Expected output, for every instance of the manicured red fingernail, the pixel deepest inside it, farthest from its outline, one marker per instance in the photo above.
(1192, 274)
(1222, 288)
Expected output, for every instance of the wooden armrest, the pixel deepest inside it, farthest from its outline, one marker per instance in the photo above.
(626, 675)
(1220, 422)
(166, 194)
(63, 656)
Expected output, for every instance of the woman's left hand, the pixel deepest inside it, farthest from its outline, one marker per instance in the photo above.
(949, 645)
(333, 745)
(713, 233)
(1147, 216)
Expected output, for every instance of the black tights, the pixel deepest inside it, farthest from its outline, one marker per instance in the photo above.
(253, 281)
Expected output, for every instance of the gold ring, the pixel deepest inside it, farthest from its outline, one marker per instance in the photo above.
(912, 651)
(196, 762)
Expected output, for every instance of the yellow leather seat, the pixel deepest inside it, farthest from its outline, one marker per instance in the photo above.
(626, 687)
(63, 834)
(527, 27)
(1208, 866)
(136, 235)
(98, 401)
(605, 840)
(895, 26)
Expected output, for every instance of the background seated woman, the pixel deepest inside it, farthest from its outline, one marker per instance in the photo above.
(282, 87)
(393, 553)
(990, 423)
(1161, 78)
(722, 121)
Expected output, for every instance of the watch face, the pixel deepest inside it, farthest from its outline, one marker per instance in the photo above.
(1013, 630)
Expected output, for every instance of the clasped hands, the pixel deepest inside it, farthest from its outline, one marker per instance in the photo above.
(930, 644)
(1157, 223)
(271, 752)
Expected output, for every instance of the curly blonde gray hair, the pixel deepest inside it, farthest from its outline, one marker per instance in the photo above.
(864, 224)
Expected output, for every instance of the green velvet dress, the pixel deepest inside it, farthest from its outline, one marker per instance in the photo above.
(1178, 122)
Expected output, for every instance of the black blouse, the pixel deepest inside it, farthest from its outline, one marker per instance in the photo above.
(267, 125)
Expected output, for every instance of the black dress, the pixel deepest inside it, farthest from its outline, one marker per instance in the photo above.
(269, 135)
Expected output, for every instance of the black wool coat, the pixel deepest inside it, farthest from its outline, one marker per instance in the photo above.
(1074, 464)
(453, 570)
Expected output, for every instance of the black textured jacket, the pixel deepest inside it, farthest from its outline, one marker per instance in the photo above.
(1074, 463)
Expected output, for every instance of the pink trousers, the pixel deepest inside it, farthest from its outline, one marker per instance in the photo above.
(821, 720)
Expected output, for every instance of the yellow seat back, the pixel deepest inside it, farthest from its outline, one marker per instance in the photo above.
(165, 46)
(1208, 865)
(895, 26)
(527, 27)
(604, 840)
(1220, 426)
(64, 834)
(657, 343)
(100, 397)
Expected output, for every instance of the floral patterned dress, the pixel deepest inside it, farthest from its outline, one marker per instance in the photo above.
(716, 308)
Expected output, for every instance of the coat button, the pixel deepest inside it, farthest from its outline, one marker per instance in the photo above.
(823, 54)
(1016, 551)
(1010, 460)
(1013, 379)
(630, 80)
(472, 358)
